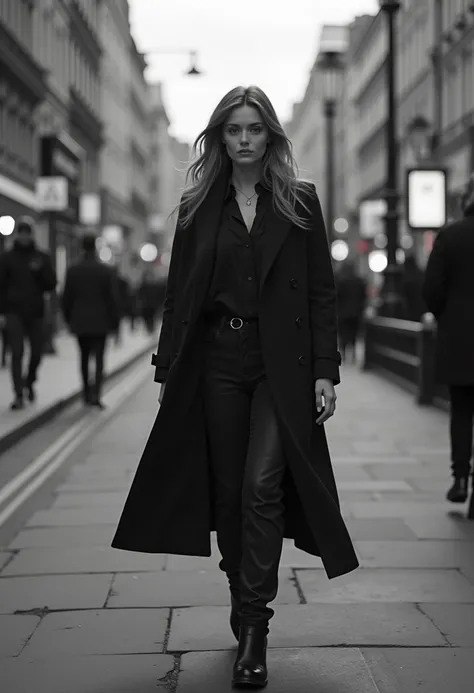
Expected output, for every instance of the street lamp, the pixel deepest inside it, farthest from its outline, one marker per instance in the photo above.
(420, 137)
(332, 68)
(390, 294)
(192, 71)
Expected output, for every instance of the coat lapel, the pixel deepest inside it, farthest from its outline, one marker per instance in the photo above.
(277, 229)
(206, 227)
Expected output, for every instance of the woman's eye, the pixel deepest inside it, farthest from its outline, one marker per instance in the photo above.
(232, 131)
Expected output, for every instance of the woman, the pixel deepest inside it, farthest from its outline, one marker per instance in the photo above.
(248, 361)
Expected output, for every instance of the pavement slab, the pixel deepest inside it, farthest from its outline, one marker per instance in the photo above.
(430, 670)
(184, 588)
(89, 674)
(402, 508)
(53, 592)
(403, 470)
(74, 517)
(381, 585)
(5, 556)
(414, 554)
(102, 632)
(455, 621)
(298, 671)
(323, 625)
(453, 526)
(385, 529)
(14, 633)
(99, 535)
(92, 499)
(94, 559)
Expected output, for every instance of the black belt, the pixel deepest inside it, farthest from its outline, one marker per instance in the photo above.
(234, 323)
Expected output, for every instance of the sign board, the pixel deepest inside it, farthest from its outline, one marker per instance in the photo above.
(52, 193)
(426, 198)
(59, 157)
(89, 209)
(371, 218)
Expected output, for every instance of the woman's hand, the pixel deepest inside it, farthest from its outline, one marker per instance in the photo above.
(162, 392)
(325, 399)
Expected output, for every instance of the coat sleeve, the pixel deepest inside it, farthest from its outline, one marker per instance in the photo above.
(162, 359)
(322, 298)
(4, 280)
(66, 298)
(435, 282)
(47, 275)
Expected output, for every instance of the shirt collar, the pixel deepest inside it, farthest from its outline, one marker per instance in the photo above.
(261, 187)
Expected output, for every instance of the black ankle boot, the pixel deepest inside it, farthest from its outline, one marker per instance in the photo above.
(458, 491)
(250, 667)
(234, 617)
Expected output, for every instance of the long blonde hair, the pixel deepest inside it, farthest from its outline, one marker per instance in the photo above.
(279, 166)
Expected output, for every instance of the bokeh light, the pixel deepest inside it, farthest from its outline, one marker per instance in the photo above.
(339, 250)
(377, 261)
(7, 224)
(148, 252)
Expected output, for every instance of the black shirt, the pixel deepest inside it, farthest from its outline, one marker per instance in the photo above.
(234, 284)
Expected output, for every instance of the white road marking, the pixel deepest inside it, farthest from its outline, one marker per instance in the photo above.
(44, 466)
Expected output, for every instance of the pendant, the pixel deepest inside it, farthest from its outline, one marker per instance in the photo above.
(249, 202)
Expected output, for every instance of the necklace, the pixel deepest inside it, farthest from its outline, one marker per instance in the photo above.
(249, 199)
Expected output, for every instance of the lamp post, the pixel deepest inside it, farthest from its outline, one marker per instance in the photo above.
(390, 295)
(332, 69)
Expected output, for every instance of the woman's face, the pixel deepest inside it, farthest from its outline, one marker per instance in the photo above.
(245, 135)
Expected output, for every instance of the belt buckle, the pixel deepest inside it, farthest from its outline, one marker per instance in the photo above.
(231, 323)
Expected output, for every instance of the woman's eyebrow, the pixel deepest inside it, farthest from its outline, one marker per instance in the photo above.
(250, 125)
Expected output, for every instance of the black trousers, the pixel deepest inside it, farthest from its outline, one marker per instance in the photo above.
(92, 345)
(461, 428)
(247, 467)
(20, 328)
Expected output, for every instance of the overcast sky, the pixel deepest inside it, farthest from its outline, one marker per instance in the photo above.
(271, 43)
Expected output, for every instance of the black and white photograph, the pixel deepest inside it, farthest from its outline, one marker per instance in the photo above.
(236, 346)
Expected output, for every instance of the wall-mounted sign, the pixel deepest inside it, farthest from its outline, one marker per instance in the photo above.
(371, 218)
(89, 209)
(426, 198)
(52, 193)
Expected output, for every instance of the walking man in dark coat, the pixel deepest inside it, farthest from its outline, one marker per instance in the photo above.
(449, 294)
(91, 308)
(351, 299)
(26, 274)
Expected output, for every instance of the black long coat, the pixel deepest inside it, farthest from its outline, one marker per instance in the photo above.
(448, 291)
(170, 506)
(90, 301)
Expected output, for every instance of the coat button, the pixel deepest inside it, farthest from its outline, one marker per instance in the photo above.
(176, 355)
(184, 322)
(299, 322)
(294, 283)
(302, 361)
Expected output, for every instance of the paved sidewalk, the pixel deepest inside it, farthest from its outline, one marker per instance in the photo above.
(59, 380)
(81, 617)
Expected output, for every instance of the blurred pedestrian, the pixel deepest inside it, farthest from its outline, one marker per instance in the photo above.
(449, 294)
(148, 300)
(4, 340)
(412, 289)
(91, 308)
(26, 275)
(351, 300)
(248, 352)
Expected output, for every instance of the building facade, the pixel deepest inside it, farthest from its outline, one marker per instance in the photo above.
(169, 160)
(23, 86)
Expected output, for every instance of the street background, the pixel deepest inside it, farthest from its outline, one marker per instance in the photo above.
(100, 102)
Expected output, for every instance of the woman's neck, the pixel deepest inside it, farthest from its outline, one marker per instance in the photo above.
(246, 177)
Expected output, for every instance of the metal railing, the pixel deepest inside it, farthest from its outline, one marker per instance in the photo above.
(404, 351)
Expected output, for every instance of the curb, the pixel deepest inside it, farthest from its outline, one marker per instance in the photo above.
(27, 427)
